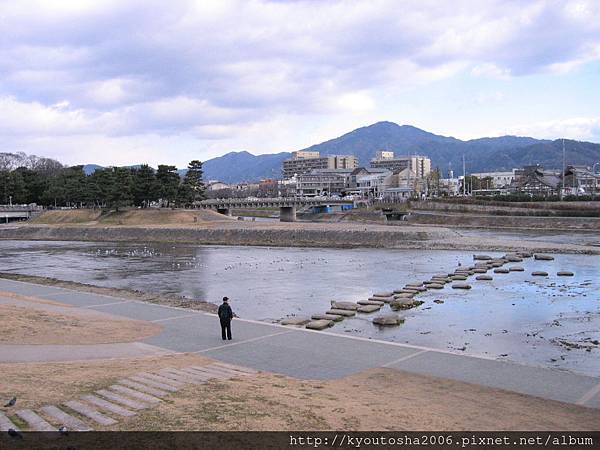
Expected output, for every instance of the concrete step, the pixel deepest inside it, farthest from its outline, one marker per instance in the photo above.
(108, 406)
(134, 394)
(143, 388)
(199, 375)
(221, 368)
(180, 378)
(186, 375)
(89, 412)
(247, 370)
(133, 404)
(62, 418)
(214, 372)
(6, 424)
(34, 422)
(161, 379)
(155, 384)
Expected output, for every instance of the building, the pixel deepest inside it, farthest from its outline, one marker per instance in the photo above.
(420, 165)
(217, 186)
(537, 181)
(303, 162)
(581, 180)
(450, 187)
(497, 180)
(384, 154)
(323, 182)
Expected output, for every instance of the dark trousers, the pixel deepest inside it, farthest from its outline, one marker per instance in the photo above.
(226, 328)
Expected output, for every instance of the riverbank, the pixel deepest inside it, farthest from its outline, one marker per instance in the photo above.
(298, 234)
(148, 297)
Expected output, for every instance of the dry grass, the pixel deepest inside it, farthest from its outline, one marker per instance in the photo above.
(129, 217)
(38, 321)
(67, 216)
(39, 384)
(379, 399)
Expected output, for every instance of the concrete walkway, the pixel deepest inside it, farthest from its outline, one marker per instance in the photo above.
(309, 354)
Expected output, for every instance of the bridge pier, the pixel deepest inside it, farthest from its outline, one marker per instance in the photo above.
(287, 214)
(224, 211)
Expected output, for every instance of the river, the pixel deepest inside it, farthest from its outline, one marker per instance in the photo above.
(553, 321)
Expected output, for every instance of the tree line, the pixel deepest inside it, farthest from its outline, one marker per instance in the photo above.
(112, 187)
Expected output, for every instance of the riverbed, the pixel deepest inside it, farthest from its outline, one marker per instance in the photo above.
(550, 321)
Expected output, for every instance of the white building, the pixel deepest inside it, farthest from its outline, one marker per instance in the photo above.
(498, 180)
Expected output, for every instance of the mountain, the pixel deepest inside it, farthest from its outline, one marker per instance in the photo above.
(91, 168)
(481, 155)
(244, 166)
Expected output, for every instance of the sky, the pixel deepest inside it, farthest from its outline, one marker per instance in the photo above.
(153, 81)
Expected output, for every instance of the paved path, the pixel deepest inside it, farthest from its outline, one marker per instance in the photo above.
(309, 354)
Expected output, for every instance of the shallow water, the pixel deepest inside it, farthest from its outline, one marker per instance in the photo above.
(515, 317)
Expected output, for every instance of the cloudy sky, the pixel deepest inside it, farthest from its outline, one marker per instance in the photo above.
(128, 81)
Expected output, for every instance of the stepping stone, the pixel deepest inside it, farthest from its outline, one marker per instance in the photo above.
(516, 269)
(297, 321)
(481, 257)
(156, 384)
(319, 324)
(235, 367)
(133, 404)
(480, 270)
(384, 294)
(389, 320)
(143, 388)
(501, 270)
(404, 295)
(436, 286)
(332, 317)
(539, 273)
(514, 259)
(62, 418)
(382, 299)
(161, 379)
(371, 302)
(101, 403)
(192, 378)
(6, 424)
(484, 278)
(35, 422)
(89, 412)
(349, 306)
(542, 257)
(369, 308)
(565, 273)
(525, 254)
(459, 278)
(461, 286)
(341, 312)
(134, 394)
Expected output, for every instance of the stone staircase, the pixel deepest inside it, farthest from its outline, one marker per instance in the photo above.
(121, 400)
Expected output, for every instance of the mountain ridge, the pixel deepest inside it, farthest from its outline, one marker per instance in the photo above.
(481, 154)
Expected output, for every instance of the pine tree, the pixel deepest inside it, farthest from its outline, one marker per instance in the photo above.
(168, 183)
(144, 186)
(192, 189)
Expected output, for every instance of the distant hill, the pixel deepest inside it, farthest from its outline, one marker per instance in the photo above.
(481, 155)
(244, 166)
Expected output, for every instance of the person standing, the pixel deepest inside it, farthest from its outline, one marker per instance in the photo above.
(225, 315)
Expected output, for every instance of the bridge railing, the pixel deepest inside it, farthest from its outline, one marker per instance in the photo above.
(20, 208)
(297, 200)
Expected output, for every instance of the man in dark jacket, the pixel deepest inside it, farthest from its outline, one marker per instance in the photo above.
(225, 315)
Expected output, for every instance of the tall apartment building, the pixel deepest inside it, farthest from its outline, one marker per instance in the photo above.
(420, 165)
(303, 162)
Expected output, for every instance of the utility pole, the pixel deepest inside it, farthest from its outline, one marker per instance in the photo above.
(464, 177)
(562, 192)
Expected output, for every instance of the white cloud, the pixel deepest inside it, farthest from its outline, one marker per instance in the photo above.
(579, 128)
(223, 72)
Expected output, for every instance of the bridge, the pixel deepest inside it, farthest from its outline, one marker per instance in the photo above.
(287, 205)
(18, 212)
